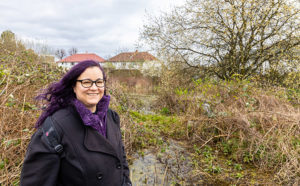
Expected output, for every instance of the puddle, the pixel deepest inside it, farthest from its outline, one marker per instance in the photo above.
(170, 165)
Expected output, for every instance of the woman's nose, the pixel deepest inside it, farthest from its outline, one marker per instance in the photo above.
(94, 86)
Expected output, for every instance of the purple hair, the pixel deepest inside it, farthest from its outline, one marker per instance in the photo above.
(60, 94)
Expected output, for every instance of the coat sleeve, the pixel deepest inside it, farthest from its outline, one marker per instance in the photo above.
(126, 180)
(41, 163)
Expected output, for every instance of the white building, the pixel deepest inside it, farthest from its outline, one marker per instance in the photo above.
(133, 60)
(72, 60)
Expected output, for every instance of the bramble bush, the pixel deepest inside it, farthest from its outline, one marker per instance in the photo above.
(22, 75)
(245, 120)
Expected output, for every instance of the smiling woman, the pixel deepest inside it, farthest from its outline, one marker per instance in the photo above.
(91, 150)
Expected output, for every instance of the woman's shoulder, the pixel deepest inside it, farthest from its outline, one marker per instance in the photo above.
(112, 111)
(114, 115)
(67, 119)
(65, 116)
(63, 113)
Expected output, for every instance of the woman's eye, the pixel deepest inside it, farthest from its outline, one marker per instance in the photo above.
(86, 82)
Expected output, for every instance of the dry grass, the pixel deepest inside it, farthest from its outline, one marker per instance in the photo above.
(121, 102)
(248, 124)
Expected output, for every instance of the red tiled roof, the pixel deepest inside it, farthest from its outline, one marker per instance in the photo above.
(81, 57)
(132, 57)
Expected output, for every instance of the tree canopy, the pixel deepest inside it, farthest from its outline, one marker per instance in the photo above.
(228, 37)
(10, 43)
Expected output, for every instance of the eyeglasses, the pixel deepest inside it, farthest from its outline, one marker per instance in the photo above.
(87, 83)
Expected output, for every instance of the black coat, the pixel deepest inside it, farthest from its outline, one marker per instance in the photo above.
(88, 157)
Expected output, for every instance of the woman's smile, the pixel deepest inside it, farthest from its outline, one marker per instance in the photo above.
(92, 94)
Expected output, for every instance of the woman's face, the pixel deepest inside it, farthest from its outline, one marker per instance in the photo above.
(92, 95)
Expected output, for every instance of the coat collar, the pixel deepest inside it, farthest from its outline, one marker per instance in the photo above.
(96, 142)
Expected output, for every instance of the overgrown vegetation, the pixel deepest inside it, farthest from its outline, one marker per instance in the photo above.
(240, 131)
(246, 121)
(232, 77)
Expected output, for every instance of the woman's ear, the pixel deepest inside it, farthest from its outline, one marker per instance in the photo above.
(74, 89)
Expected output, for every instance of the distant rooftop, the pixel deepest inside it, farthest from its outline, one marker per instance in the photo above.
(132, 57)
(81, 57)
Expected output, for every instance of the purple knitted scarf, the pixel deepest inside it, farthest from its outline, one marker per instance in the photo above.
(97, 120)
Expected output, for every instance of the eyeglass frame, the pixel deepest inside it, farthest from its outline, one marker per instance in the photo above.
(93, 82)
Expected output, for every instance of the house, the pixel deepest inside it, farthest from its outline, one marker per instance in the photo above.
(139, 71)
(132, 61)
(72, 60)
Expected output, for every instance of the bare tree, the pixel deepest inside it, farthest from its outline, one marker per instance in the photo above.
(60, 53)
(39, 46)
(73, 51)
(228, 37)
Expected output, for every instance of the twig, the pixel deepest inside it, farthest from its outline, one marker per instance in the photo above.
(165, 174)
(211, 139)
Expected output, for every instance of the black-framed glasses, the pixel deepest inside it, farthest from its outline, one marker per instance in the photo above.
(87, 83)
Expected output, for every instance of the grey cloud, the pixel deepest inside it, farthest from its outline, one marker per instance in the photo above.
(99, 26)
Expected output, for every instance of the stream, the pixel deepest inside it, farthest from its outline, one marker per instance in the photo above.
(170, 165)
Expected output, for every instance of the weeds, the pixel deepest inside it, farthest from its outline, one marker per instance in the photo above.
(247, 125)
(235, 129)
(20, 81)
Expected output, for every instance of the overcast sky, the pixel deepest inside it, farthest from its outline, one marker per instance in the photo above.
(94, 26)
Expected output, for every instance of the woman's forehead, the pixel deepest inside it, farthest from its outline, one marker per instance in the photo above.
(92, 72)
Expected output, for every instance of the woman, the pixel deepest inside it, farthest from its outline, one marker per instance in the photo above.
(88, 131)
